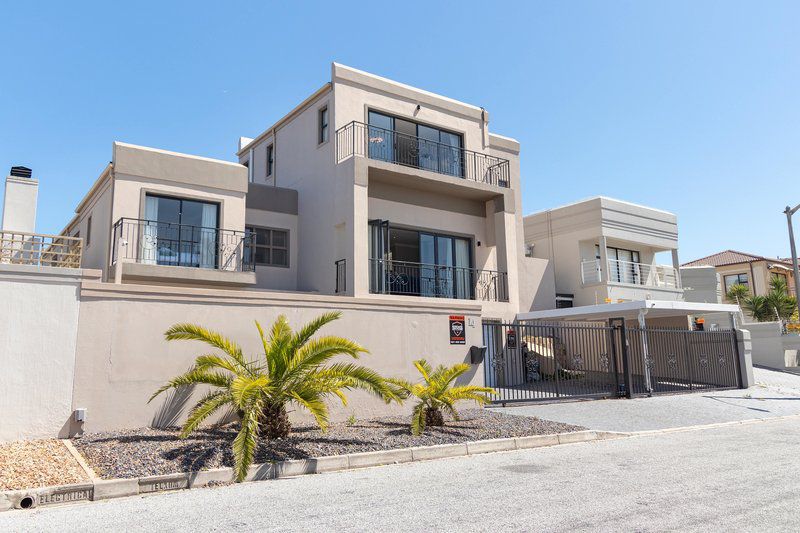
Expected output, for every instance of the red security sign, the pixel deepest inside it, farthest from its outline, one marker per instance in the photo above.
(458, 333)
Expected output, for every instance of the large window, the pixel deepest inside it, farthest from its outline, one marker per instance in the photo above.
(736, 279)
(416, 145)
(271, 246)
(420, 263)
(180, 232)
(623, 265)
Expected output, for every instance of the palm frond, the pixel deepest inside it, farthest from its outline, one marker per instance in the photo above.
(317, 352)
(194, 377)
(306, 332)
(186, 331)
(418, 419)
(424, 368)
(244, 445)
(207, 406)
(244, 389)
(315, 405)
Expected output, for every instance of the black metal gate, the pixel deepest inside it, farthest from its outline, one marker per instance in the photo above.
(533, 361)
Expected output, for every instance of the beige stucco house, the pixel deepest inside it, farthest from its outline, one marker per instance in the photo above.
(604, 251)
(368, 188)
(753, 271)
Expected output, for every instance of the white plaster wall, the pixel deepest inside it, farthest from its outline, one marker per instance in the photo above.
(772, 349)
(38, 336)
(19, 204)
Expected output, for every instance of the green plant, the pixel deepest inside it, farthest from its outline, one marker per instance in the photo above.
(737, 293)
(351, 420)
(294, 369)
(775, 305)
(436, 393)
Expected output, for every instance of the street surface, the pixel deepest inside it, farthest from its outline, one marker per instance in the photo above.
(740, 477)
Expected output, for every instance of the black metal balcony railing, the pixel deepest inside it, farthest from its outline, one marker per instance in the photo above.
(437, 281)
(357, 138)
(165, 243)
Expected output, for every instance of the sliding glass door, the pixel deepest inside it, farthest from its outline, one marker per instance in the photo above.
(180, 232)
(419, 263)
(416, 145)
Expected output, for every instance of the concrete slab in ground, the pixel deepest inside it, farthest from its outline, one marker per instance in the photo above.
(775, 394)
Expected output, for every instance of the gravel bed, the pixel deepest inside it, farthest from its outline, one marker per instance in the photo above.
(148, 451)
(37, 463)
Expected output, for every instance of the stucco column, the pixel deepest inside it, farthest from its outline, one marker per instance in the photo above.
(676, 264)
(505, 238)
(745, 358)
(603, 258)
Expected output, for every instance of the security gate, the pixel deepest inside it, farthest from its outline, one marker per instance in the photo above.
(533, 361)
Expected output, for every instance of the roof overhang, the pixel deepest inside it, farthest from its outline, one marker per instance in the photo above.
(630, 310)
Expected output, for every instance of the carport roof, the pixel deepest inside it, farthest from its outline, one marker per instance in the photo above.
(630, 310)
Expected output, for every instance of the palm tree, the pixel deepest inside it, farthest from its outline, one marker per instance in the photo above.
(778, 300)
(294, 369)
(435, 393)
(737, 293)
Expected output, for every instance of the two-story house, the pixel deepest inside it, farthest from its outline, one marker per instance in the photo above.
(605, 251)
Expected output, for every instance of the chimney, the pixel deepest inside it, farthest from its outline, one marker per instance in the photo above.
(19, 201)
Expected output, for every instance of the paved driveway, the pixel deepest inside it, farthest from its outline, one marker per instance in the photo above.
(775, 394)
(734, 478)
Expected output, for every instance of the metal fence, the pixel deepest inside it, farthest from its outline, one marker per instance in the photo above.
(357, 138)
(20, 248)
(534, 361)
(164, 243)
(437, 281)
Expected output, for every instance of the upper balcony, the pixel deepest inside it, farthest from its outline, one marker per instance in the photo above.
(148, 250)
(631, 273)
(373, 142)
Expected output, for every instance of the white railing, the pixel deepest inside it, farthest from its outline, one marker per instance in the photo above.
(20, 248)
(590, 271)
(658, 276)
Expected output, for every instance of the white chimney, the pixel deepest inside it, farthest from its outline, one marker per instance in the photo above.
(19, 202)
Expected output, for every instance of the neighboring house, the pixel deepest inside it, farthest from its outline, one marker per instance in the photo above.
(367, 188)
(604, 251)
(752, 271)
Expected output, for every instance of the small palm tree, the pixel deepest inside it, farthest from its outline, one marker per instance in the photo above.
(737, 293)
(436, 393)
(292, 370)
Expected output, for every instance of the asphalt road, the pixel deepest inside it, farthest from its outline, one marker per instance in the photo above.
(775, 394)
(742, 477)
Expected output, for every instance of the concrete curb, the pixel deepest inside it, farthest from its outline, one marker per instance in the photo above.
(101, 489)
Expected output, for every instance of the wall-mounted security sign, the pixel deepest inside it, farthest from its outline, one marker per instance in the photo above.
(511, 339)
(457, 330)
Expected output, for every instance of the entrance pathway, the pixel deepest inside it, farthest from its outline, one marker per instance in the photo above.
(775, 394)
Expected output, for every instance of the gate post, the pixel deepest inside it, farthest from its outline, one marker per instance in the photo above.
(619, 325)
(744, 358)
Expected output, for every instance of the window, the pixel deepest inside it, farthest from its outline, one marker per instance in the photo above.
(89, 232)
(270, 159)
(736, 279)
(271, 246)
(623, 265)
(416, 145)
(179, 232)
(323, 125)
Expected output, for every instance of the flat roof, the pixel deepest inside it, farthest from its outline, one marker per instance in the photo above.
(601, 199)
(654, 308)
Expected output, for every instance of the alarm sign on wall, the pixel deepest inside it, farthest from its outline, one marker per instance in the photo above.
(457, 330)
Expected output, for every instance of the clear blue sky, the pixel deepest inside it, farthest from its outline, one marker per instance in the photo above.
(692, 107)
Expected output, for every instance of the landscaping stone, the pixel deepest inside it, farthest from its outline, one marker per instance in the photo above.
(37, 463)
(148, 452)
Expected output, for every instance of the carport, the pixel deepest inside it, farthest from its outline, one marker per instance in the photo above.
(611, 350)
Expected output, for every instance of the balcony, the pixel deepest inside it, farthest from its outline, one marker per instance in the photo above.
(628, 272)
(436, 281)
(359, 139)
(19, 248)
(147, 249)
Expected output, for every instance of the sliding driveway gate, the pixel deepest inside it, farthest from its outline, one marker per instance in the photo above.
(533, 361)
